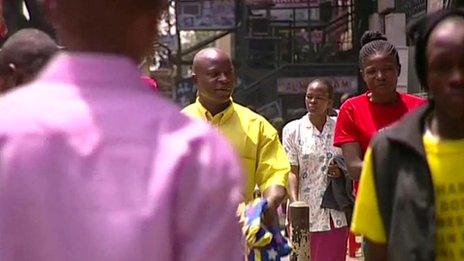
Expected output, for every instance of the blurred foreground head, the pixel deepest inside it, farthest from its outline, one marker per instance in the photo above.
(439, 39)
(23, 55)
(124, 27)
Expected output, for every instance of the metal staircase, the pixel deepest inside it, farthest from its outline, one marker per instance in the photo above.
(278, 42)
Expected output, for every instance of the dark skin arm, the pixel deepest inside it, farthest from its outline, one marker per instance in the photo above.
(293, 188)
(274, 196)
(351, 154)
(375, 251)
(354, 162)
(293, 183)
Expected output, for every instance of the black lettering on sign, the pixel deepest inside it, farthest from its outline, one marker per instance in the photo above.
(451, 238)
(454, 205)
(461, 187)
(441, 222)
(441, 252)
(452, 188)
(444, 206)
(462, 252)
(449, 222)
(460, 221)
(440, 189)
(440, 239)
(446, 253)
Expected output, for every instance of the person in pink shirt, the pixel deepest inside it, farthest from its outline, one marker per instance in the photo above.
(93, 166)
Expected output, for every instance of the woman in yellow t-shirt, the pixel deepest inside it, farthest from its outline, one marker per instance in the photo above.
(410, 204)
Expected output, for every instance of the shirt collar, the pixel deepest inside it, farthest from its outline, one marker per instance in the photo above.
(220, 117)
(307, 124)
(75, 67)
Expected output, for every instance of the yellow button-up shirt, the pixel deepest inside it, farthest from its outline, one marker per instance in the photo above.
(255, 140)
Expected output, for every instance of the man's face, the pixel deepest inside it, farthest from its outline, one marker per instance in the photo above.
(445, 67)
(215, 78)
(380, 72)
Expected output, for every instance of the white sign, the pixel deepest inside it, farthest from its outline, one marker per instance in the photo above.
(292, 10)
(342, 84)
(295, 3)
(403, 53)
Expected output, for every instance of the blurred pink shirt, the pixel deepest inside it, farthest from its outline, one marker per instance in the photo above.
(93, 166)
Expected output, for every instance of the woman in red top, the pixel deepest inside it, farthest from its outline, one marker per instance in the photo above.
(361, 117)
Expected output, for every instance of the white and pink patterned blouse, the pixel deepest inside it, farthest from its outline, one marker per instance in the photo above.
(312, 151)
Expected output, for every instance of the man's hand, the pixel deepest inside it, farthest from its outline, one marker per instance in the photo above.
(293, 183)
(274, 196)
(288, 218)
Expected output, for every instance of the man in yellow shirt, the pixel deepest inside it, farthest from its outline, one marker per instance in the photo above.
(255, 140)
(410, 204)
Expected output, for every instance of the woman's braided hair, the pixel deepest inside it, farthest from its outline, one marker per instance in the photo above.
(376, 43)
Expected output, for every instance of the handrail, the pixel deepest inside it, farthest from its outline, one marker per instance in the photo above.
(333, 24)
(338, 19)
(263, 78)
(327, 28)
(207, 41)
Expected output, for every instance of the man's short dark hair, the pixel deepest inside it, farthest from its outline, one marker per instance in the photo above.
(28, 50)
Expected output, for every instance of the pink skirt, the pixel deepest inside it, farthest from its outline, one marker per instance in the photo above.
(329, 245)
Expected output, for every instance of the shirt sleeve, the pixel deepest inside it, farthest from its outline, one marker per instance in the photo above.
(209, 191)
(289, 142)
(345, 128)
(272, 162)
(367, 220)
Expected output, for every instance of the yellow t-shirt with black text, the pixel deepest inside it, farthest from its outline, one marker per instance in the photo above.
(446, 162)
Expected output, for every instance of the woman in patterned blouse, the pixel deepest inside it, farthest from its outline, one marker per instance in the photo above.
(308, 142)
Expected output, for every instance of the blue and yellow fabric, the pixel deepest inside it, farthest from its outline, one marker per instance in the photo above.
(263, 244)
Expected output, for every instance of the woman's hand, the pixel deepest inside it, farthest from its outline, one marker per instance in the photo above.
(333, 171)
